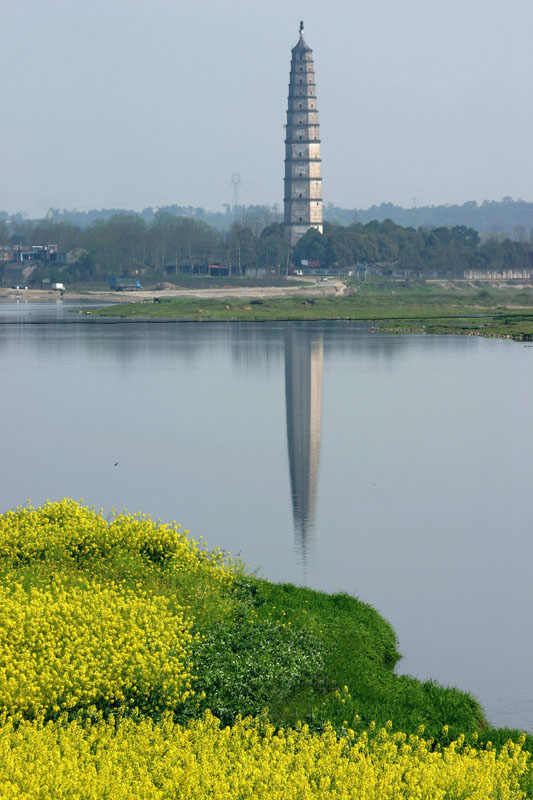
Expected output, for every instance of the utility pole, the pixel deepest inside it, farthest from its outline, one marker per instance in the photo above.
(288, 261)
(415, 215)
(235, 185)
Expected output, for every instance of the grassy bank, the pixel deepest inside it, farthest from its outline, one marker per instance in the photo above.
(134, 620)
(393, 306)
(231, 282)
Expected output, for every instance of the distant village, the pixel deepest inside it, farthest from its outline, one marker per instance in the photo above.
(22, 265)
(20, 262)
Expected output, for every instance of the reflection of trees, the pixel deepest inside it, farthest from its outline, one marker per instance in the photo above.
(303, 394)
(253, 347)
(256, 347)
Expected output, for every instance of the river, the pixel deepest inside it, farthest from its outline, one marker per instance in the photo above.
(396, 468)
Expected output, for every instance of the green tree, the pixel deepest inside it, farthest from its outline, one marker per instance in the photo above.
(272, 248)
(65, 234)
(312, 246)
(4, 233)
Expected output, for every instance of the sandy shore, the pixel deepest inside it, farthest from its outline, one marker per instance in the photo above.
(331, 288)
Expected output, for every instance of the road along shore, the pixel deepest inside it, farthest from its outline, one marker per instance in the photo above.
(330, 288)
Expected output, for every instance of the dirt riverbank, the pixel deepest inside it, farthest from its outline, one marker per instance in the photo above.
(330, 288)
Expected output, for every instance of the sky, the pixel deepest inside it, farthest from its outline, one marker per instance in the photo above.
(136, 103)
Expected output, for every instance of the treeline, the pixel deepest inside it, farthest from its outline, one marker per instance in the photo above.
(513, 218)
(444, 249)
(126, 242)
(169, 244)
(221, 220)
(507, 217)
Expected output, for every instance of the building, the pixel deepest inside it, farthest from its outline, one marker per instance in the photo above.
(303, 181)
(38, 253)
(498, 274)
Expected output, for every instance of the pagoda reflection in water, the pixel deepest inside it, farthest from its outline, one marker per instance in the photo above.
(303, 395)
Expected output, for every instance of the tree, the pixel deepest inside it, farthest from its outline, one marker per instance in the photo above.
(272, 248)
(242, 247)
(311, 247)
(65, 234)
(117, 244)
(4, 233)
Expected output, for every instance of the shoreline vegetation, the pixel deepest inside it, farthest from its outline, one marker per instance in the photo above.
(131, 654)
(392, 306)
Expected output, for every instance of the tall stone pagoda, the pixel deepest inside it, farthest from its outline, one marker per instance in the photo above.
(303, 182)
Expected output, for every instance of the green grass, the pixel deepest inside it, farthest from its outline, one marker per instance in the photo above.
(396, 307)
(359, 651)
(235, 281)
(313, 657)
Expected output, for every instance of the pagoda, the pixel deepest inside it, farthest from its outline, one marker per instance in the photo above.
(303, 181)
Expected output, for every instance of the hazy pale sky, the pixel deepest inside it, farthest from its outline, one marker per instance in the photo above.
(135, 103)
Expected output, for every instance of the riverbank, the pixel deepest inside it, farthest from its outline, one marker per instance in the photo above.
(439, 307)
(167, 291)
(228, 642)
(129, 644)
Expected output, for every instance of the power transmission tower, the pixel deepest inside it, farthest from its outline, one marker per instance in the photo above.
(414, 212)
(235, 185)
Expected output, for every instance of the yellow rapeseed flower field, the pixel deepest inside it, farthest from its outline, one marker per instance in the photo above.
(126, 759)
(69, 648)
(67, 532)
(69, 641)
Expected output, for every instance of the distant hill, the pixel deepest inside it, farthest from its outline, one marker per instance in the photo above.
(507, 216)
(512, 217)
(218, 219)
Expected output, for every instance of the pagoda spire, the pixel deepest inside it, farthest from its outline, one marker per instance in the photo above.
(303, 181)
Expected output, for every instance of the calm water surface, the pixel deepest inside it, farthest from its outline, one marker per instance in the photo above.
(394, 468)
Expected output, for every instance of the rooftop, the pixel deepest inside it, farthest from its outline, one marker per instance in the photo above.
(302, 45)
